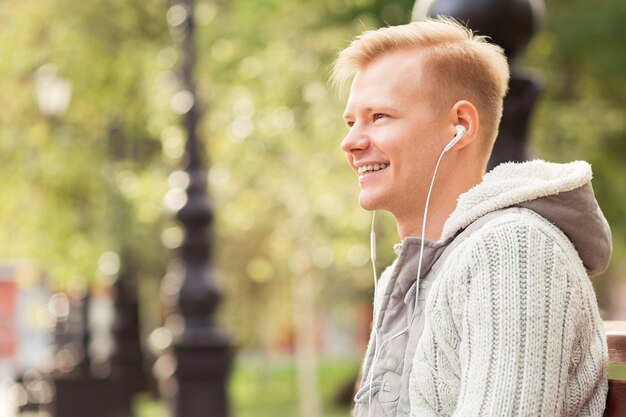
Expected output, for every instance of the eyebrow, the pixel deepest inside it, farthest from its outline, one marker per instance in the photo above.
(374, 108)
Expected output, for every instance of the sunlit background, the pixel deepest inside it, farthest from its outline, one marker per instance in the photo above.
(91, 148)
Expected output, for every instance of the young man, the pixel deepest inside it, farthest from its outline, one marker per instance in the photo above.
(488, 309)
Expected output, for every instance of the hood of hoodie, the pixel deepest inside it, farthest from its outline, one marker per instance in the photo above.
(561, 193)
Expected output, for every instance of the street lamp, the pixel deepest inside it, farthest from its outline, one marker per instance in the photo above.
(53, 94)
(203, 354)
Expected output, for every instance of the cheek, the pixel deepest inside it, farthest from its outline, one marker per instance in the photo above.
(400, 151)
(408, 161)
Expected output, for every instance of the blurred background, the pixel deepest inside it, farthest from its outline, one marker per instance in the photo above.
(94, 105)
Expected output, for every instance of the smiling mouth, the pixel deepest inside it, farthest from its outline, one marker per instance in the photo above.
(371, 168)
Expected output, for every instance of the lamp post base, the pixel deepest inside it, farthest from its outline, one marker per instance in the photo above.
(84, 395)
(202, 369)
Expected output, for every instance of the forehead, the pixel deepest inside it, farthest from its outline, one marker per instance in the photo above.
(393, 77)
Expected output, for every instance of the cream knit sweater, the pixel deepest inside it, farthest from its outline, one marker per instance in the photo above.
(512, 329)
(511, 324)
(507, 324)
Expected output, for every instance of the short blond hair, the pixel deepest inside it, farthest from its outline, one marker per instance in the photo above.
(458, 65)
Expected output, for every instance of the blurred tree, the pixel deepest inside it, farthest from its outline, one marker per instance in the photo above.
(285, 200)
(92, 181)
(286, 203)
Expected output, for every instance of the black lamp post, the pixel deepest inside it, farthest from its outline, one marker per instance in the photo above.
(510, 24)
(203, 354)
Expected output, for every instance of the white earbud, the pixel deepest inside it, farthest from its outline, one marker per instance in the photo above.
(460, 131)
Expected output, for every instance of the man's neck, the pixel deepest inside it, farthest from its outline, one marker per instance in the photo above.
(411, 225)
(441, 206)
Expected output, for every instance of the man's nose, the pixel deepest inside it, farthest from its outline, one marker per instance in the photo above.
(355, 140)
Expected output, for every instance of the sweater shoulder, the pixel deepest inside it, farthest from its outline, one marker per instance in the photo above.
(516, 243)
(515, 227)
(520, 218)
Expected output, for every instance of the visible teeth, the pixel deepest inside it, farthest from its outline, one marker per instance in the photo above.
(369, 168)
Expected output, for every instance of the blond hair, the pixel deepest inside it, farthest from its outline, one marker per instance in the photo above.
(457, 65)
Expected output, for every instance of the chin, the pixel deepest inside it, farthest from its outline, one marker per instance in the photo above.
(369, 202)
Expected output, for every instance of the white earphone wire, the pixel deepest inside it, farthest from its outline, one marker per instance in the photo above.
(430, 190)
(377, 347)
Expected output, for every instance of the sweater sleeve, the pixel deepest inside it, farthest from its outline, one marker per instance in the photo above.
(516, 330)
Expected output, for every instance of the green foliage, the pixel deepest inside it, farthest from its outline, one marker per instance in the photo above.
(91, 182)
(285, 201)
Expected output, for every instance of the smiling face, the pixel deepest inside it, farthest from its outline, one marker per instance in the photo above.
(394, 135)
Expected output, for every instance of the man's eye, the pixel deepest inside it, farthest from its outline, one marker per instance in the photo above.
(379, 116)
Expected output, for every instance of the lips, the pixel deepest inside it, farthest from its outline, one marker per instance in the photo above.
(364, 169)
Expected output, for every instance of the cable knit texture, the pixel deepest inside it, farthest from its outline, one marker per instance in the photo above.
(512, 328)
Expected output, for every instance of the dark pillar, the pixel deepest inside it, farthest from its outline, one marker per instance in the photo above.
(203, 354)
(510, 24)
(126, 361)
(84, 388)
(78, 392)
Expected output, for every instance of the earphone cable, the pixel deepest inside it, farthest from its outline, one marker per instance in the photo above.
(430, 190)
(377, 347)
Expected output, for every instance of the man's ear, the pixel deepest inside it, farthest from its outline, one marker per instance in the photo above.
(464, 113)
